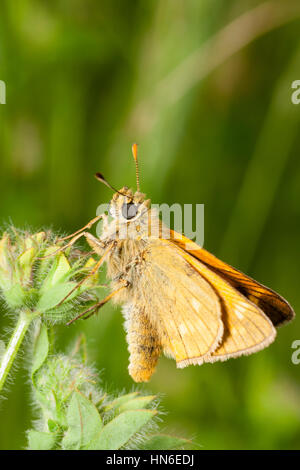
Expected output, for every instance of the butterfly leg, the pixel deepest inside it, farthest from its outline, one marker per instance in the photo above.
(87, 226)
(94, 308)
(94, 242)
(143, 345)
(95, 269)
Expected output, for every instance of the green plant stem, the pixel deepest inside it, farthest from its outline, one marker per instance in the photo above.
(14, 344)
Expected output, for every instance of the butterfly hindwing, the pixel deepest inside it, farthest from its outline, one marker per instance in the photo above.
(246, 328)
(186, 312)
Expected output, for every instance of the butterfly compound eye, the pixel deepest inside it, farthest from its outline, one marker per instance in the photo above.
(129, 210)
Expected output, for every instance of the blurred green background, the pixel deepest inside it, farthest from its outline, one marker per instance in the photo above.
(204, 86)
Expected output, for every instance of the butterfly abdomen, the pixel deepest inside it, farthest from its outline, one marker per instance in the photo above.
(143, 343)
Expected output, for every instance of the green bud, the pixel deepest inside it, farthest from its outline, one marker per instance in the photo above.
(36, 276)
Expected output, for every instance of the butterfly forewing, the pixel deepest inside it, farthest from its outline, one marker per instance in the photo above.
(273, 305)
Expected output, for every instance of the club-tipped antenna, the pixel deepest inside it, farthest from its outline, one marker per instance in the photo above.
(101, 178)
(135, 156)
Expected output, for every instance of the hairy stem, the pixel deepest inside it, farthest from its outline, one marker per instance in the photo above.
(14, 344)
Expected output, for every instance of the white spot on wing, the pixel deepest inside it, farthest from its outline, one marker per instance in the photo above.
(239, 310)
(182, 328)
(196, 304)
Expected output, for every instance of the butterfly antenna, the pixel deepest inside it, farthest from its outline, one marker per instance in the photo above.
(135, 156)
(101, 178)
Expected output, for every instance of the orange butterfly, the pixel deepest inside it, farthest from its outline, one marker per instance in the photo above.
(177, 298)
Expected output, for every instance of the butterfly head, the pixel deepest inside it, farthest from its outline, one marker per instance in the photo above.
(125, 204)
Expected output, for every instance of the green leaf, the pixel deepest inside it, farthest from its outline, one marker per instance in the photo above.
(117, 432)
(15, 296)
(137, 403)
(54, 295)
(25, 263)
(46, 262)
(61, 270)
(41, 349)
(53, 426)
(84, 423)
(38, 440)
(120, 401)
(165, 442)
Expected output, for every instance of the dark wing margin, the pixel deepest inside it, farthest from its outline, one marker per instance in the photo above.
(272, 304)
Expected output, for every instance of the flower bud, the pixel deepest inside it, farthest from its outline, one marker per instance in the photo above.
(36, 276)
